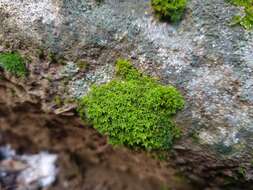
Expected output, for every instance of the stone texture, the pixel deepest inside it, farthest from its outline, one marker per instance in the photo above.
(208, 60)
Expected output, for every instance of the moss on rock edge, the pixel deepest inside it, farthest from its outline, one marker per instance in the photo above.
(169, 9)
(13, 63)
(133, 110)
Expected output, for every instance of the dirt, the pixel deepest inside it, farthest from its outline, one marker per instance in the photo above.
(85, 160)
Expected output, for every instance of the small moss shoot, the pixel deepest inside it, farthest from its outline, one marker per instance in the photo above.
(171, 10)
(133, 109)
(83, 65)
(13, 63)
(58, 101)
(242, 171)
(246, 20)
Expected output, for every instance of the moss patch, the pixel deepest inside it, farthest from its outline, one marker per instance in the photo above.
(13, 63)
(171, 10)
(133, 109)
(247, 19)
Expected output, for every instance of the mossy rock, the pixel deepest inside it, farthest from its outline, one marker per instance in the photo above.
(133, 109)
(171, 10)
(246, 20)
(13, 63)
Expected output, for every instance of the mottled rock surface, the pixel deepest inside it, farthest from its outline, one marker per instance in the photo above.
(208, 60)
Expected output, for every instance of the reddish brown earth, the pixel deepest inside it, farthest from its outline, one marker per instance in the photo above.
(85, 160)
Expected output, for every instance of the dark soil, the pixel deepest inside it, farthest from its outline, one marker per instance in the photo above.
(85, 160)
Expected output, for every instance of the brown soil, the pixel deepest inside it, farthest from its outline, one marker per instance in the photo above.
(86, 161)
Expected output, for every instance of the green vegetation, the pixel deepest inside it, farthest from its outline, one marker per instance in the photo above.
(58, 100)
(133, 109)
(99, 1)
(172, 10)
(242, 171)
(82, 65)
(247, 19)
(13, 63)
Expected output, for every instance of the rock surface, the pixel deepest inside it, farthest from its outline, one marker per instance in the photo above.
(208, 60)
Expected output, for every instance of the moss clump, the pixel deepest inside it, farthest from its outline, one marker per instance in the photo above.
(83, 65)
(169, 9)
(133, 109)
(58, 101)
(246, 20)
(13, 63)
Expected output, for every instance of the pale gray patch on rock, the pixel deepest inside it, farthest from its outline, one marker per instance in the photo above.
(24, 14)
(80, 87)
(220, 135)
(69, 70)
